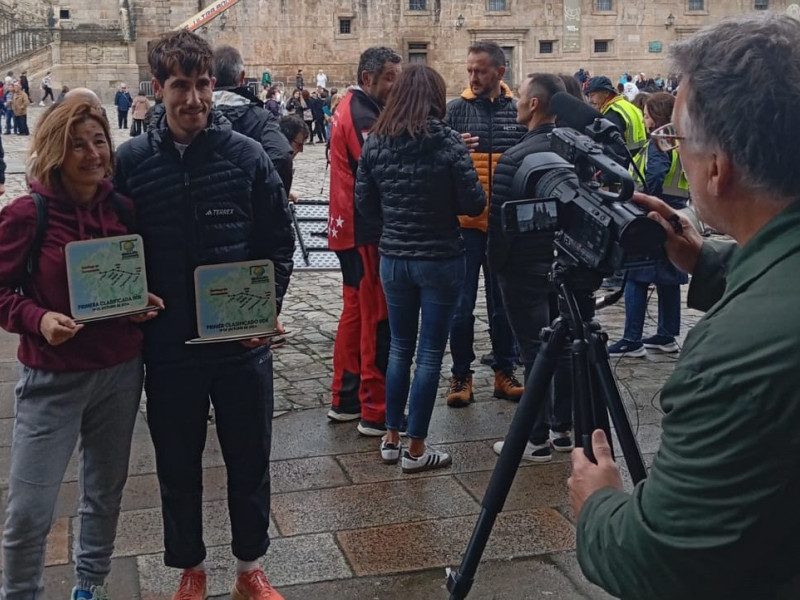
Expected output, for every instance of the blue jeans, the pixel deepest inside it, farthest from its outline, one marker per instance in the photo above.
(669, 310)
(10, 121)
(430, 287)
(462, 329)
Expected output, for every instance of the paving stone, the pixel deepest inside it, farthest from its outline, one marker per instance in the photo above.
(9, 369)
(567, 563)
(426, 544)
(370, 504)
(141, 531)
(523, 579)
(288, 561)
(309, 432)
(365, 467)
(306, 474)
(534, 485)
(7, 398)
(6, 432)
(123, 582)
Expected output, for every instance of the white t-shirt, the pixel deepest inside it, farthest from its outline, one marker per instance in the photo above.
(322, 80)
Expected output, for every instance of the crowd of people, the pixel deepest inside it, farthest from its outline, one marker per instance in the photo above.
(416, 192)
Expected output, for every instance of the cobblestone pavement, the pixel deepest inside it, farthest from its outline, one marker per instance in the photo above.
(343, 524)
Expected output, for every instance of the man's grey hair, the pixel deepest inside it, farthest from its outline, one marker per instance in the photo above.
(227, 66)
(373, 59)
(743, 98)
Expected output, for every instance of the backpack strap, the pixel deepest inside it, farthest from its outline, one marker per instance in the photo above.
(124, 213)
(41, 226)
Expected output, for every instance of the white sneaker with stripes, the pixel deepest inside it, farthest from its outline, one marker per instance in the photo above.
(430, 459)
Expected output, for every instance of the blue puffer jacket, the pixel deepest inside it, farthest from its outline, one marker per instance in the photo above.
(222, 201)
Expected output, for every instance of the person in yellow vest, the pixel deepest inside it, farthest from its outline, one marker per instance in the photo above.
(604, 97)
(665, 179)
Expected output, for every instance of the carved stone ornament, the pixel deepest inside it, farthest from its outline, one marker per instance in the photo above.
(94, 54)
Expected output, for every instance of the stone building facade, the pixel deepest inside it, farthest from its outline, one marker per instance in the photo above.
(99, 43)
(604, 36)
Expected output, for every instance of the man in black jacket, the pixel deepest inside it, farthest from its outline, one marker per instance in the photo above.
(521, 264)
(486, 116)
(205, 194)
(247, 113)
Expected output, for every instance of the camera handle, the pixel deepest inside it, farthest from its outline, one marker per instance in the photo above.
(589, 358)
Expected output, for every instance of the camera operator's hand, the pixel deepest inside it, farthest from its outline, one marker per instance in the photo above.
(588, 477)
(683, 240)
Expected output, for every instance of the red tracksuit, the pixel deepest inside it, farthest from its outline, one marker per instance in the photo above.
(361, 351)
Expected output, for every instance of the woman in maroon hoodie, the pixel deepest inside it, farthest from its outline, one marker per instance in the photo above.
(79, 382)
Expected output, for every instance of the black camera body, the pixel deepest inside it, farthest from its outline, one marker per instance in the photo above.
(593, 227)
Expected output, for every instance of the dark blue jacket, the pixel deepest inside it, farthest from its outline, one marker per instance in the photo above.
(222, 201)
(123, 101)
(418, 186)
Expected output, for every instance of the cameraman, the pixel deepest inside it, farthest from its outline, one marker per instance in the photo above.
(718, 515)
(522, 264)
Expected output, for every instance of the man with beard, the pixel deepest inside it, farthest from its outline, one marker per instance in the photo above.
(486, 116)
(361, 350)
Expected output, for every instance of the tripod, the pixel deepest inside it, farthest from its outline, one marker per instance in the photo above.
(595, 397)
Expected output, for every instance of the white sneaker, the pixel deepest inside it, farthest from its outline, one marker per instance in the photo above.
(41, 103)
(537, 453)
(390, 453)
(430, 459)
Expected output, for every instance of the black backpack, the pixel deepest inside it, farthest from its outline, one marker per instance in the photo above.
(123, 214)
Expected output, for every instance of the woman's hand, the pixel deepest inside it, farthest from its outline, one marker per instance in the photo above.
(57, 328)
(152, 300)
(683, 240)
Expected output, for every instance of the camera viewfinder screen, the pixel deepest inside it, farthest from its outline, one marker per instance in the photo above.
(540, 216)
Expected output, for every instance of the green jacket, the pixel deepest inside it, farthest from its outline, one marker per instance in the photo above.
(719, 514)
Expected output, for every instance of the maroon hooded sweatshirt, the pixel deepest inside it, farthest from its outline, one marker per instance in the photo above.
(98, 345)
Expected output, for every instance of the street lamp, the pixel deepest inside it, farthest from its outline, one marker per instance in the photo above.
(670, 21)
(223, 20)
(459, 21)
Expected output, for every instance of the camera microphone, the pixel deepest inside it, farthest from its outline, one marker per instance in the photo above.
(574, 113)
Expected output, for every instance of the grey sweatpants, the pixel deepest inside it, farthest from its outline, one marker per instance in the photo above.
(54, 411)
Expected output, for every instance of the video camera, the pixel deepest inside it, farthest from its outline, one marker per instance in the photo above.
(593, 227)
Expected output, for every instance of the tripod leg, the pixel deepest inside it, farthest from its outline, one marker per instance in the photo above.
(536, 388)
(616, 408)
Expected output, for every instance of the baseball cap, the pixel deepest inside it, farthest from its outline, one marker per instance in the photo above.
(601, 83)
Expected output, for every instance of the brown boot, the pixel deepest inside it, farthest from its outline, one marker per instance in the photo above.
(507, 386)
(460, 391)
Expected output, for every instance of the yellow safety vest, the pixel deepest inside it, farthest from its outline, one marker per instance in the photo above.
(675, 183)
(635, 132)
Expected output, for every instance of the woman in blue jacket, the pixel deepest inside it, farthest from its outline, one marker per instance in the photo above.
(415, 172)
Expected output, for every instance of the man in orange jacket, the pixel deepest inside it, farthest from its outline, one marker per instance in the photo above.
(486, 116)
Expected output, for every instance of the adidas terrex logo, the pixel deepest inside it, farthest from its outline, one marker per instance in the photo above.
(219, 212)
